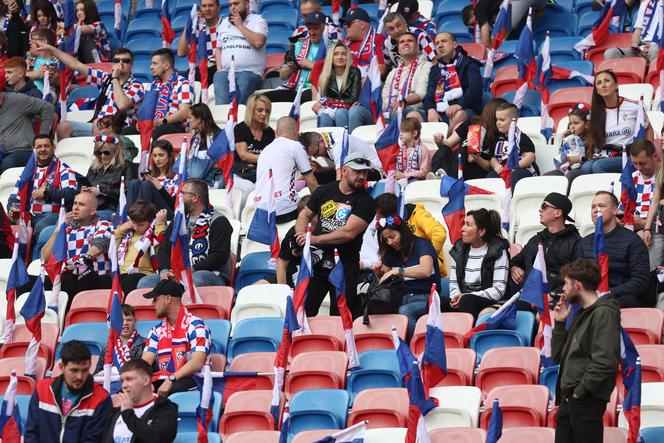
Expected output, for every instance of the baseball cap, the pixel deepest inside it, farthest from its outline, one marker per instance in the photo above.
(357, 161)
(559, 201)
(408, 8)
(166, 287)
(356, 14)
(315, 18)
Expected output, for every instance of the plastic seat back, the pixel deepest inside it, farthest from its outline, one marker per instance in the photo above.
(378, 333)
(253, 437)
(540, 435)
(220, 296)
(455, 325)
(644, 325)
(220, 331)
(652, 362)
(327, 334)
(7, 365)
(563, 99)
(378, 369)
(628, 69)
(508, 366)
(318, 409)
(459, 406)
(256, 335)
(256, 362)
(248, 411)
(252, 268)
(187, 403)
(382, 407)
(94, 335)
(522, 405)
(25, 386)
(317, 370)
(458, 435)
(460, 367)
(653, 434)
(549, 378)
(483, 341)
(615, 435)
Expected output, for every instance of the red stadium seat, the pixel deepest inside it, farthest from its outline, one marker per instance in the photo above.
(317, 370)
(256, 362)
(7, 365)
(25, 386)
(615, 435)
(205, 311)
(17, 349)
(272, 63)
(596, 54)
(652, 362)
(145, 312)
(563, 99)
(522, 405)
(458, 435)
(504, 80)
(88, 306)
(652, 76)
(50, 335)
(248, 411)
(135, 298)
(508, 366)
(628, 69)
(177, 139)
(460, 367)
(455, 325)
(217, 362)
(253, 437)
(476, 50)
(383, 407)
(313, 435)
(221, 296)
(327, 334)
(518, 435)
(644, 325)
(378, 333)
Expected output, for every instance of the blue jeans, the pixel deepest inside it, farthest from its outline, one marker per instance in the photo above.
(40, 221)
(15, 159)
(106, 214)
(201, 278)
(246, 83)
(80, 129)
(413, 306)
(347, 118)
(613, 164)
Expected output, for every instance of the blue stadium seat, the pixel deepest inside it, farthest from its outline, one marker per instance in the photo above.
(82, 92)
(585, 24)
(108, 19)
(560, 6)
(532, 103)
(44, 235)
(562, 49)
(378, 369)
(652, 435)
(256, 335)
(144, 326)
(177, 7)
(494, 338)
(280, 19)
(508, 48)
(548, 378)
(253, 268)
(143, 27)
(188, 437)
(581, 7)
(142, 11)
(108, 6)
(93, 334)
(459, 30)
(178, 24)
(274, 5)
(144, 45)
(187, 403)
(449, 9)
(318, 409)
(525, 325)
(379, 188)
(583, 66)
(558, 25)
(220, 331)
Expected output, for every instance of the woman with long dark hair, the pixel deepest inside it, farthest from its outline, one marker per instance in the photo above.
(613, 122)
(480, 264)
(205, 130)
(43, 15)
(95, 44)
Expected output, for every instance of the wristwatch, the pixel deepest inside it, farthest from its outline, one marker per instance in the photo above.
(171, 378)
(401, 270)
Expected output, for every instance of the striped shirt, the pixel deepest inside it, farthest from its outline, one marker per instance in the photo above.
(473, 275)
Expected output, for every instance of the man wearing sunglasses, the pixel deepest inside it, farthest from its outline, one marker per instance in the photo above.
(118, 90)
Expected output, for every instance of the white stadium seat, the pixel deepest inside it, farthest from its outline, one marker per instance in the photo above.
(459, 407)
(385, 435)
(583, 191)
(428, 130)
(260, 301)
(544, 157)
(652, 406)
(279, 109)
(366, 133)
(308, 118)
(8, 181)
(80, 116)
(635, 91)
(220, 113)
(657, 121)
(426, 192)
(528, 196)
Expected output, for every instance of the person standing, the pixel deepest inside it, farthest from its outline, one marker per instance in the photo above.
(208, 21)
(588, 353)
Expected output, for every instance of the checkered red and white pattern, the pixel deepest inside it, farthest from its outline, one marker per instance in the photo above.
(210, 38)
(198, 336)
(79, 241)
(426, 25)
(102, 41)
(67, 180)
(644, 193)
(181, 94)
(132, 87)
(425, 43)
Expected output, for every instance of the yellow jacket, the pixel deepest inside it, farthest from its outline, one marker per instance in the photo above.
(423, 225)
(144, 264)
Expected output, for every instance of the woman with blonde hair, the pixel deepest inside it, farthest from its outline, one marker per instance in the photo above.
(251, 137)
(338, 92)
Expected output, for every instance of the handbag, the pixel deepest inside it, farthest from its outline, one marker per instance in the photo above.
(383, 298)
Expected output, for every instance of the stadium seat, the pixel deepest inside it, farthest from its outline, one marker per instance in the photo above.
(644, 325)
(318, 409)
(256, 335)
(9, 364)
(378, 333)
(25, 386)
(657, 121)
(177, 140)
(366, 133)
(496, 338)
(220, 113)
(549, 378)
(586, 22)
(261, 362)
(285, 19)
(220, 331)
(504, 80)
(253, 437)
(522, 405)
(219, 199)
(652, 76)
(459, 406)
(248, 411)
(562, 100)
(562, 24)
(460, 367)
(455, 325)
(8, 184)
(316, 370)
(187, 403)
(581, 66)
(21, 338)
(277, 41)
(653, 434)
(476, 50)
(652, 406)
(219, 296)
(252, 268)
(527, 198)
(628, 69)
(652, 362)
(94, 335)
(142, 27)
(508, 366)
(382, 407)
(562, 49)
(82, 92)
(217, 362)
(458, 435)
(327, 334)
(51, 316)
(449, 9)
(426, 192)
(260, 301)
(315, 435)
(385, 435)
(615, 435)
(617, 40)
(636, 91)
(88, 306)
(186, 437)
(378, 369)
(583, 191)
(518, 435)
(532, 103)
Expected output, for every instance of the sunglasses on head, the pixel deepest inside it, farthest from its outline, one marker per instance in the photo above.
(124, 60)
(99, 154)
(361, 161)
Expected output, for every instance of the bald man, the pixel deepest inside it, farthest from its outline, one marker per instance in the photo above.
(285, 157)
(87, 265)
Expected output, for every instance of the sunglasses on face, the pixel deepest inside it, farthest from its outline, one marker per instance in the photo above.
(126, 61)
(546, 205)
(99, 154)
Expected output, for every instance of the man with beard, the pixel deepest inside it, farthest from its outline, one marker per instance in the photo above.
(180, 343)
(344, 209)
(588, 353)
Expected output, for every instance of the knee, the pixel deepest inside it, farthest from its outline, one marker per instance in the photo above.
(64, 130)
(416, 115)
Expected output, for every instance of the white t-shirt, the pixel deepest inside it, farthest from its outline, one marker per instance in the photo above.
(286, 158)
(232, 43)
(369, 251)
(649, 34)
(336, 139)
(621, 122)
(121, 433)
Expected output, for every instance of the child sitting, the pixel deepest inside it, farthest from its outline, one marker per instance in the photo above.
(413, 160)
(573, 148)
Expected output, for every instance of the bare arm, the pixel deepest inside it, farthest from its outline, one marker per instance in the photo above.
(527, 159)
(255, 39)
(121, 100)
(244, 154)
(217, 58)
(68, 60)
(194, 365)
(183, 47)
(485, 34)
(310, 180)
(636, 37)
(282, 277)
(149, 357)
(181, 115)
(354, 227)
(305, 217)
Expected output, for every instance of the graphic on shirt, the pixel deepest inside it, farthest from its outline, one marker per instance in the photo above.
(334, 215)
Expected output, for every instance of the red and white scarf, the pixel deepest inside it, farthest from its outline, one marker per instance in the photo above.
(397, 93)
(448, 86)
(147, 241)
(366, 48)
(409, 162)
(121, 353)
(173, 344)
(293, 80)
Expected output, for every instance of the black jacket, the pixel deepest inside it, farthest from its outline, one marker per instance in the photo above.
(109, 184)
(29, 89)
(459, 253)
(629, 264)
(471, 84)
(158, 424)
(17, 35)
(559, 249)
(351, 92)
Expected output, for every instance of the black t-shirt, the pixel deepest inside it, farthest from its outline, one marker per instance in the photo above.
(288, 245)
(334, 209)
(486, 10)
(243, 134)
(420, 286)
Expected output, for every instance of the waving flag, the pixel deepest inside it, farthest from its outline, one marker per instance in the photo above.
(222, 150)
(47, 94)
(495, 430)
(525, 56)
(600, 254)
(114, 317)
(446, 183)
(630, 364)
(419, 403)
(434, 364)
(303, 280)
(501, 29)
(204, 409)
(383, 10)
(281, 359)
(336, 9)
(18, 276)
(628, 190)
(387, 145)
(202, 62)
(371, 96)
(338, 279)
(117, 18)
(263, 228)
(167, 33)
(32, 311)
(352, 434)
(640, 126)
(53, 266)
(600, 29)
(294, 112)
(24, 188)
(145, 126)
(534, 291)
(503, 318)
(542, 82)
(190, 30)
(454, 212)
(10, 415)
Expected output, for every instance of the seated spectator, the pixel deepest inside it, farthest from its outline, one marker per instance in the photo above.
(363, 41)
(113, 125)
(652, 232)
(139, 415)
(44, 15)
(159, 185)
(645, 35)
(612, 125)
(243, 35)
(137, 241)
(95, 45)
(6, 235)
(404, 255)
(251, 136)
(285, 157)
(406, 86)
(129, 345)
(39, 60)
(338, 91)
(53, 181)
(454, 91)
(413, 160)
(574, 149)
(395, 25)
(17, 112)
(410, 10)
(642, 155)
(105, 174)
(628, 257)
(71, 406)
(179, 334)
(209, 241)
(87, 265)
(307, 7)
(12, 15)
(480, 264)
(208, 21)
(559, 240)
(205, 130)
(527, 166)
(16, 79)
(475, 140)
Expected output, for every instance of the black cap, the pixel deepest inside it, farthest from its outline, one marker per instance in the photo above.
(408, 8)
(356, 14)
(166, 287)
(315, 18)
(559, 201)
